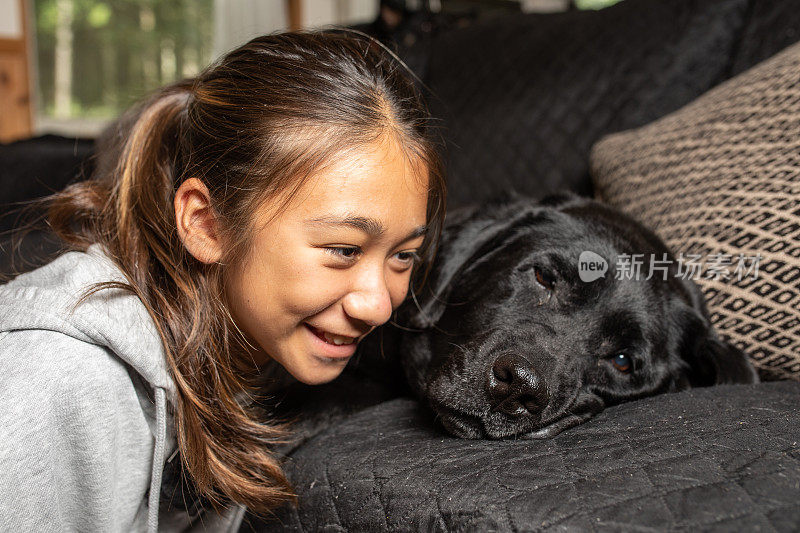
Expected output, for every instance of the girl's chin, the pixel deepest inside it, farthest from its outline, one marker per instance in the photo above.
(321, 371)
(308, 358)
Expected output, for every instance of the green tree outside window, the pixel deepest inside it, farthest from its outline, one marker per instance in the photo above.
(95, 58)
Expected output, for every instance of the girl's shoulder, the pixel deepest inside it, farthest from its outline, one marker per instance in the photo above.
(69, 384)
(56, 325)
(44, 359)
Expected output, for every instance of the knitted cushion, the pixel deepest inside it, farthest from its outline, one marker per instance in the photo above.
(720, 178)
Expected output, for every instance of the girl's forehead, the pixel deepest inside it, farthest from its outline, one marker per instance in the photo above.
(376, 174)
(378, 181)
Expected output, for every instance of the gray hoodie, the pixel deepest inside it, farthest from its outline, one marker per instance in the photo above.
(85, 406)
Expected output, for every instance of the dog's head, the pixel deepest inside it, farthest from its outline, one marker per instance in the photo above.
(512, 336)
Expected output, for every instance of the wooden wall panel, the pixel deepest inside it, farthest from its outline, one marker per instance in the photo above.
(294, 11)
(15, 93)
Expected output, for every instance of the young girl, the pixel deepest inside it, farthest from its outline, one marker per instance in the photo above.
(269, 212)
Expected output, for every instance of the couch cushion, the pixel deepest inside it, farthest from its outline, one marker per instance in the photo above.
(772, 25)
(31, 169)
(24, 251)
(721, 178)
(37, 167)
(523, 98)
(724, 457)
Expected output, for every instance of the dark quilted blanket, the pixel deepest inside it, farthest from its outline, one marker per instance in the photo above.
(523, 98)
(717, 459)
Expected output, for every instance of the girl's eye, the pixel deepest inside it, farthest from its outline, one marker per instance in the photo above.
(544, 279)
(347, 253)
(623, 363)
(407, 258)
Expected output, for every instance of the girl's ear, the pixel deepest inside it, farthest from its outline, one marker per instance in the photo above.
(197, 223)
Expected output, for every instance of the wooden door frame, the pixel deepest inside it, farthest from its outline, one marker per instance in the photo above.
(18, 49)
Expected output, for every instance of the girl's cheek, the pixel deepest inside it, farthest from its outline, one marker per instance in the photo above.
(399, 289)
(313, 293)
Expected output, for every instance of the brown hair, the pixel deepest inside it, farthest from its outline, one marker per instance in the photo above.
(252, 125)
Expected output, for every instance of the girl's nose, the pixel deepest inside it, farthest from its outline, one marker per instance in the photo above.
(369, 301)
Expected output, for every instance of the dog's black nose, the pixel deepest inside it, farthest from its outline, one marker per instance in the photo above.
(515, 388)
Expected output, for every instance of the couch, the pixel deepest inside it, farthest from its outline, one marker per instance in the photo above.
(31, 169)
(521, 102)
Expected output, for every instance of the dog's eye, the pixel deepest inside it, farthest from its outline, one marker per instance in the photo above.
(544, 279)
(623, 363)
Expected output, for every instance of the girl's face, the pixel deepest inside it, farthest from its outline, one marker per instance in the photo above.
(333, 264)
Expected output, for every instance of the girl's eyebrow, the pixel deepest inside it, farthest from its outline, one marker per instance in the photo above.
(368, 225)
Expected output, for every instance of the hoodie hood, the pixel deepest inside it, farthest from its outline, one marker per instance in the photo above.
(115, 318)
(46, 299)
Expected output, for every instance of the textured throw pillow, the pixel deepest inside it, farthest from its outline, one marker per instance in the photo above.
(719, 181)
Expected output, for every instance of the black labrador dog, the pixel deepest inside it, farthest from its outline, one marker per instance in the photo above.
(519, 331)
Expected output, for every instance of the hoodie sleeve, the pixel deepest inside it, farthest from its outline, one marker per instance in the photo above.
(76, 451)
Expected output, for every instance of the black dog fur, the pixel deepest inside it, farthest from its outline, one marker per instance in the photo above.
(506, 340)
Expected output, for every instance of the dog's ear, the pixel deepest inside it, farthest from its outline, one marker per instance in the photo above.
(470, 238)
(716, 361)
(562, 199)
(708, 359)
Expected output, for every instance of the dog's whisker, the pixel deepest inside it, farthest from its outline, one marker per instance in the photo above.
(462, 348)
(405, 328)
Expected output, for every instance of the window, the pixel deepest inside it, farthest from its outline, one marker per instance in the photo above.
(594, 4)
(95, 57)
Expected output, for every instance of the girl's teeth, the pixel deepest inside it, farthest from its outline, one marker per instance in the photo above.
(338, 340)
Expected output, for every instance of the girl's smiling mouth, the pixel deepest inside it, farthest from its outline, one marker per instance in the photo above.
(331, 344)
